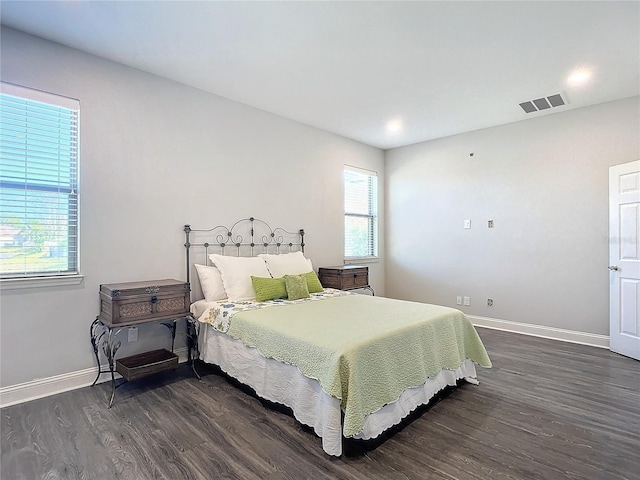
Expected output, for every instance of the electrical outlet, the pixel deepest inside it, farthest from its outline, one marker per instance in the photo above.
(467, 301)
(490, 224)
(489, 302)
(133, 334)
(467, 224)
(458, 300)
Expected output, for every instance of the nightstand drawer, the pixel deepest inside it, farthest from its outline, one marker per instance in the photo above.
(347, 277)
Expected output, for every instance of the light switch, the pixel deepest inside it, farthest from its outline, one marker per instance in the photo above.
(467, 224)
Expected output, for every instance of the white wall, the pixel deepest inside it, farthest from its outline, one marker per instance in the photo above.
(156, 155)
(544, 182)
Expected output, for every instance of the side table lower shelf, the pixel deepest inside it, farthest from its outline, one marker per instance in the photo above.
(147, 363)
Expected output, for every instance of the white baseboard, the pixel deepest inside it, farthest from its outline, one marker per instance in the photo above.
(591, 339)
(44, 387)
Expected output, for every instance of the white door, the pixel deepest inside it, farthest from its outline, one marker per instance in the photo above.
(624, 259)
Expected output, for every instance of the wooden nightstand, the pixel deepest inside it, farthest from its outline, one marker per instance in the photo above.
(345, 277)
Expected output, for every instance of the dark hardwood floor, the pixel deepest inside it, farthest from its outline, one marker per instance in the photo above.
(547, 410)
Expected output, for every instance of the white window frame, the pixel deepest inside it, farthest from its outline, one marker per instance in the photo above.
(65, 273)
(371, 199)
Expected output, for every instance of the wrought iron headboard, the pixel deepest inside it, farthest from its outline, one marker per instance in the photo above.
(245, 238)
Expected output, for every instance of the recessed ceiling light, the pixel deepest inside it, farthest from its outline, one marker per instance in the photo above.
(394, 126)
(579, 76)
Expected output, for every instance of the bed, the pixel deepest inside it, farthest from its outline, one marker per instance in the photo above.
(347, 365)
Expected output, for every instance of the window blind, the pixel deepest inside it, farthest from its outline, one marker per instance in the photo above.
(360, 213)
(38, 183)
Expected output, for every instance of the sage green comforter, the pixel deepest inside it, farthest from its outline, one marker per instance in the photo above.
(363, 350)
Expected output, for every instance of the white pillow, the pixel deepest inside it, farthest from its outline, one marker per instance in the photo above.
(293, 263)
(211, 283)
(236, 275)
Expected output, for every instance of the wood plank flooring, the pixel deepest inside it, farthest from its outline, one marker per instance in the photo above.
(546, 410)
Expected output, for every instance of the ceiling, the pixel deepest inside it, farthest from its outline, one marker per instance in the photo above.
(434, 68)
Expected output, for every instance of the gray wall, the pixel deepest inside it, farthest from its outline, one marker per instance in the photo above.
(544, 182)
(156, 155)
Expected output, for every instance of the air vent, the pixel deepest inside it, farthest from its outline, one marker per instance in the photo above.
(543, 103)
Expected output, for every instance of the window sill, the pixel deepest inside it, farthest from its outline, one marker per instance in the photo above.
(39, 282)
(357, 261)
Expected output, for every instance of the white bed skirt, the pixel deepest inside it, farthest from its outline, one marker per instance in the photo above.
(283, 383)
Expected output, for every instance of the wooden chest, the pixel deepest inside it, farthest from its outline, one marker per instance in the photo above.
(345, 277)
(140, 302)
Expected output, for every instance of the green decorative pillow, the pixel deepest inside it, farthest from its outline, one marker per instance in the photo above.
(313, 284)
(296, 286)
(269, 288)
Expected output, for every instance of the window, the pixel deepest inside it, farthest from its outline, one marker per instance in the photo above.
(38, 183)
(360, 213)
